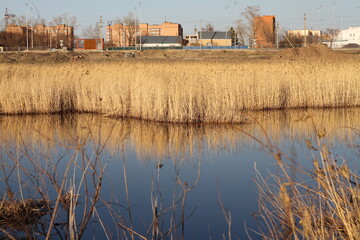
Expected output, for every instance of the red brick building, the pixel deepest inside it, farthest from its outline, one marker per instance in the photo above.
(119, 35)
(264, 31)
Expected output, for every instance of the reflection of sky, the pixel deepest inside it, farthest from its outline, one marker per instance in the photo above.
(231, 173)
(227, 162)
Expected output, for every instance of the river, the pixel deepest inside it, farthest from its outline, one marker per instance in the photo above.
(122, 178)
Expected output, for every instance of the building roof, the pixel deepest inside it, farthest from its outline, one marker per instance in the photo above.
(214, 35)
(160, 39)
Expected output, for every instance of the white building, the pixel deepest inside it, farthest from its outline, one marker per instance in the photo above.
(346, 38)
(301, 33)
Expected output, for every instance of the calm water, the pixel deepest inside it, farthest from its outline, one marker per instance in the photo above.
(189, 176)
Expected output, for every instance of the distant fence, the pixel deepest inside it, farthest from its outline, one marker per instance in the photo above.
(214, 47)
(184, 47)
(24, 48)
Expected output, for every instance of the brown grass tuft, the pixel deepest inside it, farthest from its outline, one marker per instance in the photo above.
(22, 213)
(324, 203)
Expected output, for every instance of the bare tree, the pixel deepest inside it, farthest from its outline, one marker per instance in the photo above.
(250, 13)
(130, 31)
(20, 20)
(64, 19)
(41, 21)
(59, 33)
(241, 33)
(208, 28)
(90, 32)
(125, 28)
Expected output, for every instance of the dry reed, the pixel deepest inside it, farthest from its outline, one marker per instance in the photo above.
(323, 203)
(177, 91)
(21, 213)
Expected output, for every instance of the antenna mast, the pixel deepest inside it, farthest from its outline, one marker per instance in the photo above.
(7, 17)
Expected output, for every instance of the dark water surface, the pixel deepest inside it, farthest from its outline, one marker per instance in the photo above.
(168, 180)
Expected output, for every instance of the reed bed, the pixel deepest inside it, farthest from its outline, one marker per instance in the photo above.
(177, 91)
(318, 203)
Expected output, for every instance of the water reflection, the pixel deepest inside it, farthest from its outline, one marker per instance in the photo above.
(162, 140)
(113, 178)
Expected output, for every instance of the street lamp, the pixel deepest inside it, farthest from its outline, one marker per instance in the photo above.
(235, 41)
(27, 27)
(226, 10)
(140, 26)
(135, 27)
(318, 16)
(318, 21)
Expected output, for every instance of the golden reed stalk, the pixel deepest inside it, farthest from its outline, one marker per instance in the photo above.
(177, 91)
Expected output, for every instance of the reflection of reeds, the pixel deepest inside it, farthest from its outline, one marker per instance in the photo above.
(177, 91)
(61, 180)
(159, 140)
(324, 203)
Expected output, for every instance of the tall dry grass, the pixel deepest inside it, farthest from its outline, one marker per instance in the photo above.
(318, 203)
(177, 91)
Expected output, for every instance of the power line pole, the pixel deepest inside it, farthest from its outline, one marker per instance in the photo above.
(200, 34)
(140, 27)
(136, 26)
(226, 10)
(304, 29)
(7, 17)
(235, 24)
(27, 28)
(277, 34)
(100, 26)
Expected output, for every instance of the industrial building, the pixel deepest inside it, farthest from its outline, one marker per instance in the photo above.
(119, 35)
(58, 36)
(214, 38)
(347, 38)
(89, 44)
(264, 31)
(161, 41)
(303, 32)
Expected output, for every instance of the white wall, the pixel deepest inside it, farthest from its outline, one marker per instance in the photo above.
(347, 36)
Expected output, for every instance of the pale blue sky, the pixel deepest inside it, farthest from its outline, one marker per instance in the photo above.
(289, 13)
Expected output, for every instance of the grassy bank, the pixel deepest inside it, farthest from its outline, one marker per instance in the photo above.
(177, 91)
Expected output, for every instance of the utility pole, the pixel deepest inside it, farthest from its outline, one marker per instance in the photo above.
(304, 29)
(200, 34)
(318, 23)
(235, 25)
(333, 25)
(277, 34)
(109, 33)
(32, 31)
(136, 26)
(140, 27)
(7, 17)
(226, 9)
(100, 26)
(27, 28)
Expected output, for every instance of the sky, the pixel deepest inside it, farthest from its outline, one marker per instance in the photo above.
(321, 14)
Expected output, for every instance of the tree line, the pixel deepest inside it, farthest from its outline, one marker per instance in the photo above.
(29, 37)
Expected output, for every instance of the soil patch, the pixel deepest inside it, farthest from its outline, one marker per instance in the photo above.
(311, 52)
